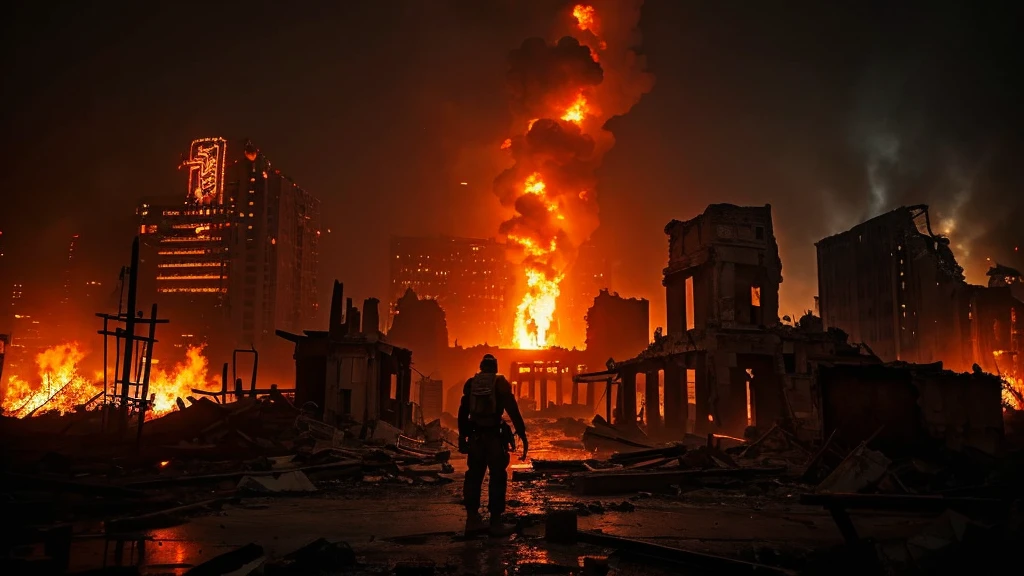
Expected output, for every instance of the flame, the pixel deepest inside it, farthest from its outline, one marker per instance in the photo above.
(562, 97)
(544, 266)
(167, 387)
(61, 387)
(584, 16)
(577, 110)
(1013, 392)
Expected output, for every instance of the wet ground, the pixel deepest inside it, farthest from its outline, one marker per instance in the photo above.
(389, 523)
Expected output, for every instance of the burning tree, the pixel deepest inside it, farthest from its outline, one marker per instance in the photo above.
(561, 95)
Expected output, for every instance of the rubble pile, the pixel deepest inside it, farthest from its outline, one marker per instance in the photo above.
(206, 454)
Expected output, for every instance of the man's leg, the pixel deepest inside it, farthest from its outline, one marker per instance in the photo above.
(497, 464)
(473, 485)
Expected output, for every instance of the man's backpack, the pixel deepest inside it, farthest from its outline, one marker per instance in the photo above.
(483, 400)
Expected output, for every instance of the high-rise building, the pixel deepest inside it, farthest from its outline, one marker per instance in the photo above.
(468, 277)
(237, 257)
(589, 274)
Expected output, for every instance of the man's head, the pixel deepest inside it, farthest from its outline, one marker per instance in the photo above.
(489, 364)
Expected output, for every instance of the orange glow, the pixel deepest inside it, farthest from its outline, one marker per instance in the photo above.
(61, 387)
(545, 258)
(506, 144)
(577, 110)
(584, 16)
(1013, 393)
(164, 463)
(167, 386)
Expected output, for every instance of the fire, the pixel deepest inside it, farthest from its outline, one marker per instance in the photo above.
(61, 387)
(167, 387)
(1013, 392)
(562, 95)
(584, 16)
(577, 111)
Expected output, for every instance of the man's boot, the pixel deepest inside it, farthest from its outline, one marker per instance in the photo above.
(498, 528)
(475, 524)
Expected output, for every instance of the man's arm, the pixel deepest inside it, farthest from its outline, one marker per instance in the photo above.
(464, 411)
(512, 407)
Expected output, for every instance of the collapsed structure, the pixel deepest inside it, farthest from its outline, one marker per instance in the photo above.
(349, 372)
(727, 364)
(894, 285)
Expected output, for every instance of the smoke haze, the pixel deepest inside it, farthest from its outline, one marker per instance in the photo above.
(831, 112)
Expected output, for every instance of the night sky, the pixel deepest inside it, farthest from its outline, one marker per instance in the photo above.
(831, 112)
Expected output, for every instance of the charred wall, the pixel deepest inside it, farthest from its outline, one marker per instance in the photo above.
(724, 270)
(894, 285)
(617, 327)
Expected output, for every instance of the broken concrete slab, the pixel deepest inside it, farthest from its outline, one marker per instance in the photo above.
(286, 482)
(861, 469)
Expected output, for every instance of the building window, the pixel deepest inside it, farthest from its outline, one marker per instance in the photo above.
(688, 287)
(755, 305)
(691, 400)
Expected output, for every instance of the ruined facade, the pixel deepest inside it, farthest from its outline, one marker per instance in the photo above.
(349, 371)
(894, 285)
(723, 270)
(728, 366)
(617, 327)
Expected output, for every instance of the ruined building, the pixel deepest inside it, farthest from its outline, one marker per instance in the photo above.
(616, 327)
(726, 365)
(421, 325)
(716, 367)
(468, 277)
(893, 284)
(236, 257)
(349, 371)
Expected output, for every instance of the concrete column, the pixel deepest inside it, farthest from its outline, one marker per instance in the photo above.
(627, 410)
(675, 399)
(559, 389)
(543, 388)
(608, 400)
(575, 393)
(652, 399)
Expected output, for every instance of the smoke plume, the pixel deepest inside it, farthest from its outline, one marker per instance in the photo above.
(561, 96)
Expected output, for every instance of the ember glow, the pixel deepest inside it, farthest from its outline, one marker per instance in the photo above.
(60, 386)
(1013, 393)
(562, 95)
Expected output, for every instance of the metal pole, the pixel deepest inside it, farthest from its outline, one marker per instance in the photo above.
(129, 332)
(144, 398)
(106, 380)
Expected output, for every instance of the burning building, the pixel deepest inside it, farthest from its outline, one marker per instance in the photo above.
(468, 277)
(894, 284)
(236, 258)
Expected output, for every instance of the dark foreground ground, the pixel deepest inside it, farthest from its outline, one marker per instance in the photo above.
(397, 524)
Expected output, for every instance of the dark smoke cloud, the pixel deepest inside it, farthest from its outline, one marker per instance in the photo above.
(542, 75)
(937, 122)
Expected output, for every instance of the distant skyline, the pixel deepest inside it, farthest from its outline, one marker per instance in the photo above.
(830, 112)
